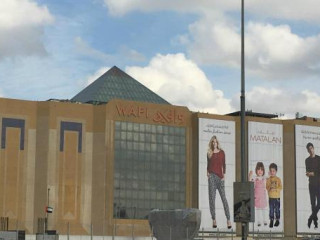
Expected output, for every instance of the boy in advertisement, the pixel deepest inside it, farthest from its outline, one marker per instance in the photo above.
(274, 187)
(312, 172)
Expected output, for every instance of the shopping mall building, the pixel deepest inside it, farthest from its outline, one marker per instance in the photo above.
(104, 159)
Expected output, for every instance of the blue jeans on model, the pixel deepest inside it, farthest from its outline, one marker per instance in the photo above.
(274, 208)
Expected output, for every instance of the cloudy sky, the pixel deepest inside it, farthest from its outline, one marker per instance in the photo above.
(187, 51)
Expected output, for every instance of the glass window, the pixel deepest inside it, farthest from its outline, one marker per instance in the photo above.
(129, 136)
(135, 146)
(123, 135)
(117, 135)
(123, 126)
(159, 129)
(141, 137)
(141, 146)
(136, 137)
(149, 169)
(142, 127)
(136, 127)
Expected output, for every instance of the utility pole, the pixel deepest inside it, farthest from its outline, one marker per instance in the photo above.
(243, 114)
(48, 202)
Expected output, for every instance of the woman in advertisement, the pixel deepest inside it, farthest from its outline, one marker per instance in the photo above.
(216, 169)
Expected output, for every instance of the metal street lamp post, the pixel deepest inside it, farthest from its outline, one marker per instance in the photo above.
(243, 113)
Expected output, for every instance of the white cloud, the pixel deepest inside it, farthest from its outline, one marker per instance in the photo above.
(285, 9)
(306, 10)
(22, 24)
(181, 82)
(17, 13)
(121, 7)
(218, 44)
(272, 52)
(281, 101)
(275, 52)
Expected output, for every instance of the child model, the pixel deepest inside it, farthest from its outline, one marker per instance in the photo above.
(260, 193)
(274, 187)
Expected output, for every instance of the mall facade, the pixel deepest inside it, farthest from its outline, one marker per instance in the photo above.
(103, 163)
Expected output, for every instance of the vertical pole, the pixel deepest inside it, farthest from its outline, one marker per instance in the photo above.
(132, 226)
(242, 98)
(253, 231)
(48, 202)
(187, 233)
(270, 235)
(44, 227)
(91, 231)
(68, 231)
(134, 218)
(17, 231)
(113, 232)
(103, 229)
(243, 137)
(151, 232)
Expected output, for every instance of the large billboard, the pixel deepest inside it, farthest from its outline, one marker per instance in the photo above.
(216, 173)
(307, 140)
(265, 157)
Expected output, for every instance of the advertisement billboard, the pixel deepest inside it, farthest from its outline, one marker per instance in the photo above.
(265, 169)
(307, 141)
(216, 173)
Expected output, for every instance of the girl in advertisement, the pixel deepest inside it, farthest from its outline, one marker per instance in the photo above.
(260, 193)
(216, 169)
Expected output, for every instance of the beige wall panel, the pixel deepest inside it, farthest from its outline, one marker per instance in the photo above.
(17, 108)
(30, 180)
(289, 186)
(69, 177)
(43, 156)
(12, 173)
(12, 181)
(2, 181)
(72, 177)
(52, 181)
(71, 112)
(86, 183)
(99, 183)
